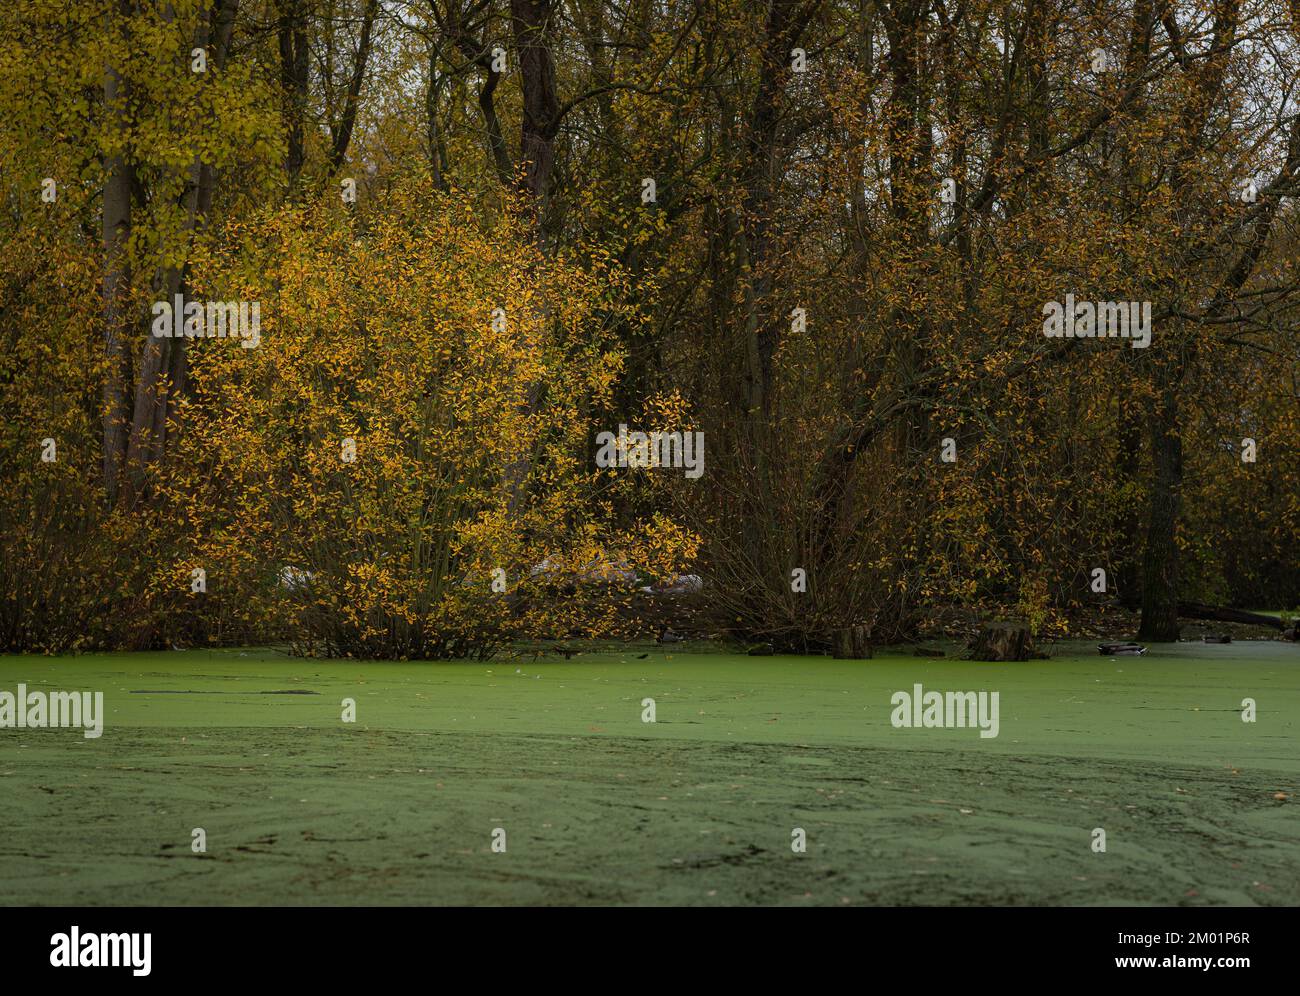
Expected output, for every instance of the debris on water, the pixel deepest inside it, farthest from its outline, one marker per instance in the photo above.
(1216, 638)
(682, 584)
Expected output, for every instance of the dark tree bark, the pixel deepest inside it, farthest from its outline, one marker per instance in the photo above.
(853, 643)
(1160, 558)
(531, 21)
(433, 133)
(1002, 641)
(116, 317)
(477, 52)
(1128, 568)
(161, 377)
(293, 79)
(342, 133)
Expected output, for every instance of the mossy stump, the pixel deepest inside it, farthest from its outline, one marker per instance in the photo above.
(852, 644)
(1002, 641)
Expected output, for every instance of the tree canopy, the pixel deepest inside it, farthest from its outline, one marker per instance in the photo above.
(978, 306)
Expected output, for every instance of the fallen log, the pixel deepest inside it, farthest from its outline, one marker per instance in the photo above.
(1197, 610)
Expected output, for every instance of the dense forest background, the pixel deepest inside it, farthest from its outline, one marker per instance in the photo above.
(822, 233)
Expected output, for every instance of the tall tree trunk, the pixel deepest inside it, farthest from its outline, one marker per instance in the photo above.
(531, 21)
(163, 363)
(1160, 559)
(760, 155)
(437, 147)
(116, 286)
(293, 79)
(1127, 566)
(342, 133)
(1160, 566)
(533, 29)
(477, 52)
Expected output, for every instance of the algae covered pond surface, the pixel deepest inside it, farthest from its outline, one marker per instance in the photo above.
(522, 782)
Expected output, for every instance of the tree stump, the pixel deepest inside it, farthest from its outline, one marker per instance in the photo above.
(1002, 641)
(853, 644)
